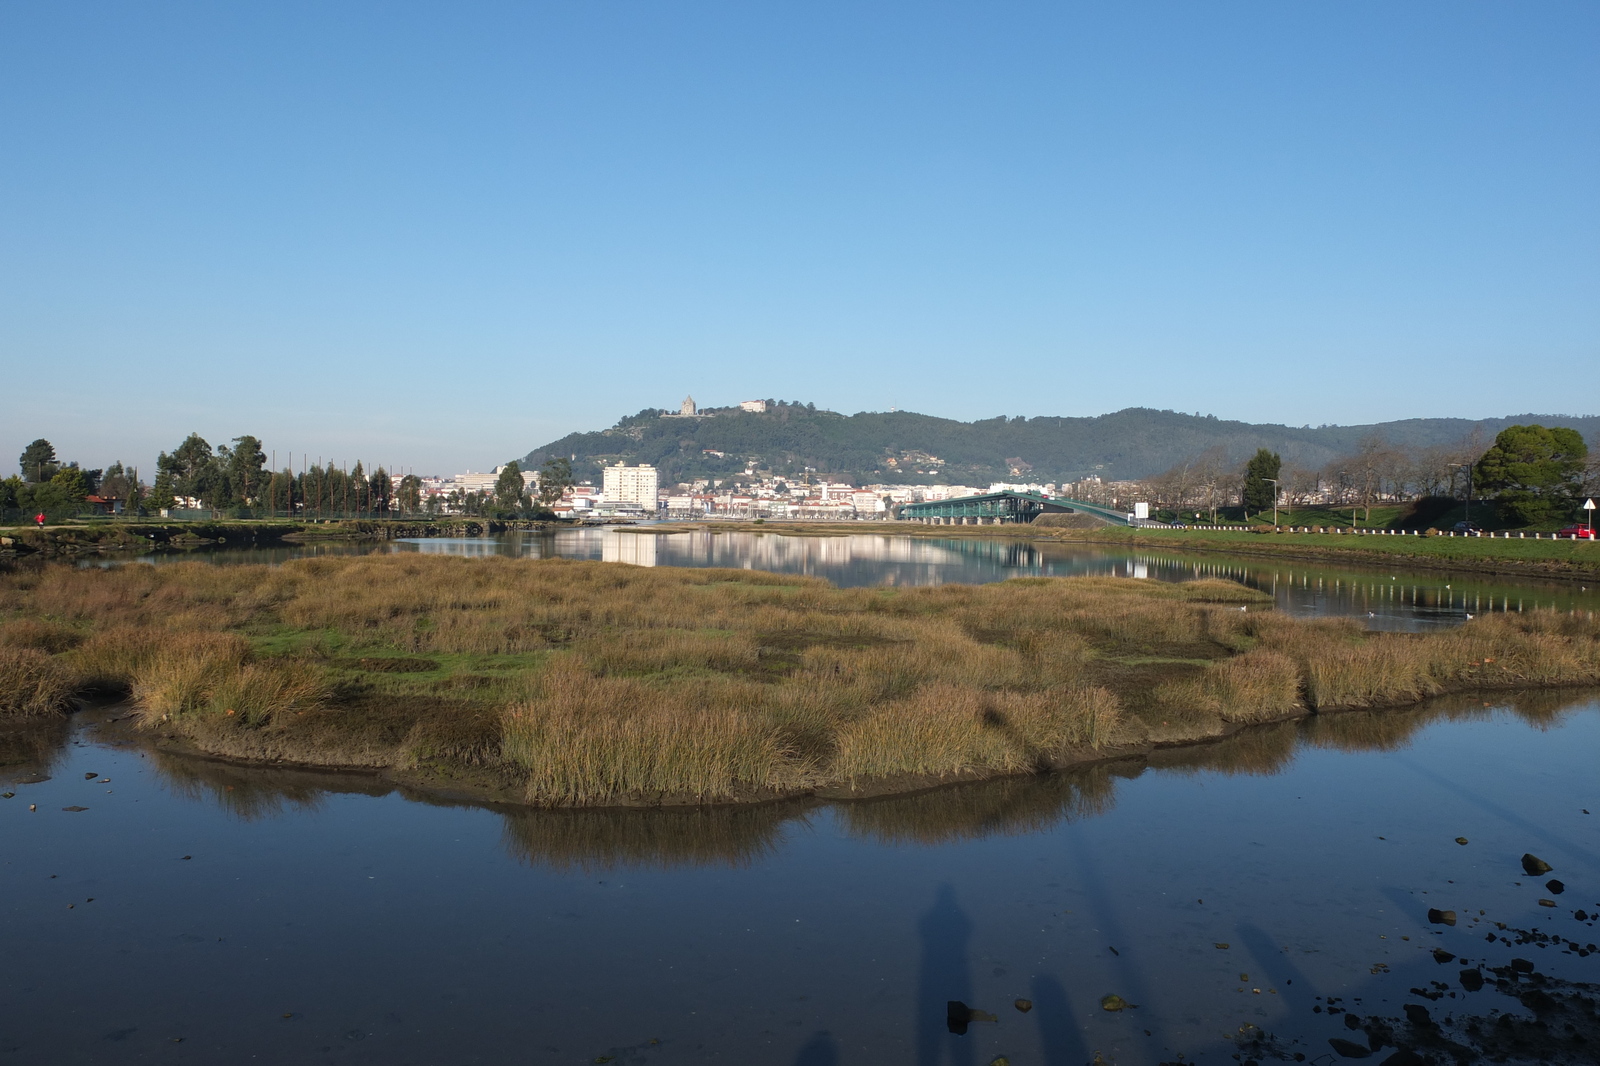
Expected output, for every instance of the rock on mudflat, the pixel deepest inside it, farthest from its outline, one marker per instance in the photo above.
(1349, 1049)
(1461, 840)
(1547, 903)
(1439, 917)
(1441, 956)
(1024, 1005)
(1114, 1003)
(1472, 980)
(1535, 865)
(1555, 887)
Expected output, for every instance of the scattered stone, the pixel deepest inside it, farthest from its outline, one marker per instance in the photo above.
(957, 1016)
(90, 776)
(1461, 840)
(1439, 917)
(1352, 1021)
(1581, 916)
(1522, 965)
(1441, 956)
(1547, 903)
(1535, 865)
(1555, 887)
(6, 795)
(1222, 947)
(1244, 977)
(74, 809)
(1404, 1057)
(1472, 979)
(186, 858)
(1114, 1003)
(1349, 1049)
(1417, 1014)
(1024, 1005)
(33, 806)
(999, 1060)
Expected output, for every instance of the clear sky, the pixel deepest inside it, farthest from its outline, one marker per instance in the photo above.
(436, 235)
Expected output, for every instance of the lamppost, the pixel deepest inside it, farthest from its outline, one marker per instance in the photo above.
(1468, 468)
(1274, 500)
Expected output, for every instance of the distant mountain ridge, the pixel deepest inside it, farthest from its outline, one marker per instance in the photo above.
(904, 447)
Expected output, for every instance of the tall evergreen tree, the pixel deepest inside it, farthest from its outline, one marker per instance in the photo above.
(1259, 472)
(1534, 472)
(38, 461)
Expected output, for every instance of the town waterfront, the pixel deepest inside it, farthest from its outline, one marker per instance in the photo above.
(1265, 896)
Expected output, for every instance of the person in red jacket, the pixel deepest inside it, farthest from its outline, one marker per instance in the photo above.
(39, 518)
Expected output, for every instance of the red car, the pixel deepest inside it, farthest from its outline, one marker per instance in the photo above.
(1577, 531)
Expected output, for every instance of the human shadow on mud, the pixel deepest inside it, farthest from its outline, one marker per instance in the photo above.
(944, 976)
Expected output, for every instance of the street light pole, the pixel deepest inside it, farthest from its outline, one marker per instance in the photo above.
(1274, 500)
(1468, 468)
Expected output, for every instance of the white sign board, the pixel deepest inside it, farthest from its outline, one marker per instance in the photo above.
(1141, 510)
(1588, 505)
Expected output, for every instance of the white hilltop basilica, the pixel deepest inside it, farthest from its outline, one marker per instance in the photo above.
(686, 409)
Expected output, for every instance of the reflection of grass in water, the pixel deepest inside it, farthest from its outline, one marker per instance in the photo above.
(32, 746)
(1260, 751)
(599, 839)
(1008, 806)
(1392, 730)
(248, 793)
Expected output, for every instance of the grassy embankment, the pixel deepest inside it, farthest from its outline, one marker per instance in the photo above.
(571, 683)
(1578, 559)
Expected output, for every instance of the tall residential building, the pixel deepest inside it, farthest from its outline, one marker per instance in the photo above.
(631, 484)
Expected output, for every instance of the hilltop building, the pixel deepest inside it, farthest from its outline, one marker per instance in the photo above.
(631, 484)
(687, 409)
(753, 406)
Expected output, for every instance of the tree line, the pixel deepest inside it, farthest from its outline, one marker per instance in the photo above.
(235, 479)
(1530, 475)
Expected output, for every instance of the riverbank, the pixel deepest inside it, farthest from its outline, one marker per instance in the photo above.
(565, 683)
(94, 537)
(1575, 560)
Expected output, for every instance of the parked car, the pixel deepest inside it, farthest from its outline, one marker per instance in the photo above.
(1577, 531)
(1468, 527)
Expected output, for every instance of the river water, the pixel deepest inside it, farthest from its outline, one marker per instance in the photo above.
(167, 910)
(1384, 597)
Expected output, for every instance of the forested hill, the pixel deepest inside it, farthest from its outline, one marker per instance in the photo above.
(1134, 443)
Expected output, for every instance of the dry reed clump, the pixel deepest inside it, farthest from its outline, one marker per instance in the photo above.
(211, 676)
(33, 684)
(48, 637)
(584, 739)
(1258, 686)
(944, 729)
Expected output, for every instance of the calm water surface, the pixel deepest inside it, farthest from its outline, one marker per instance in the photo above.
(1384, 597)
(196, 912)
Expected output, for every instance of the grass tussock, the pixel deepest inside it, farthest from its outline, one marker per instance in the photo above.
(580, 683)
(33, 684)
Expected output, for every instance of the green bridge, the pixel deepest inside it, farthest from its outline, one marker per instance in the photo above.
(995, 507)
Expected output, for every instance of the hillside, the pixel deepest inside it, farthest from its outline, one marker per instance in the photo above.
(1133, 443)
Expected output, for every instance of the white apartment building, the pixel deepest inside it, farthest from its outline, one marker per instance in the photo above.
(753, 406)
(631, 484)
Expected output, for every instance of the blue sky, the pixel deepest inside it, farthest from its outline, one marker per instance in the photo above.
(436, 235)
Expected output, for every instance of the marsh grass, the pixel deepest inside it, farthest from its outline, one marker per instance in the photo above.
(580, 683)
